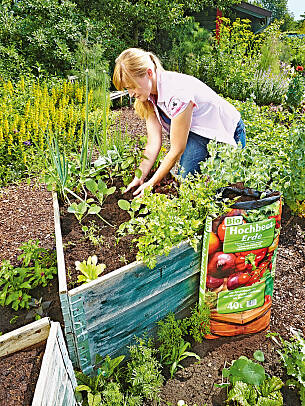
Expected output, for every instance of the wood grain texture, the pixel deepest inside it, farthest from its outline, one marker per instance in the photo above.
(228, 329)
(69, 328)
(24, 337)
(113, 311)
(241, 317)
(56, 382)
(62, 280)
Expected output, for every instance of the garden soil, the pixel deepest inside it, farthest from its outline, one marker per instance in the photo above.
(26, 213)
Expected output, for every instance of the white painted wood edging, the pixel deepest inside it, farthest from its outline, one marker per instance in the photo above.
(56, 382)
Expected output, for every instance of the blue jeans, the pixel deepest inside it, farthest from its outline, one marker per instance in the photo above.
(196, 150)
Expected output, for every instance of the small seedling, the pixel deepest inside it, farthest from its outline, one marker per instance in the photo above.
(89, 269)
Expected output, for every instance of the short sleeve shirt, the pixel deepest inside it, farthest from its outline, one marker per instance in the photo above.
(213, 117)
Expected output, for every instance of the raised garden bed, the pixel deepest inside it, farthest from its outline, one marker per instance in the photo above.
(35, 367)
(103, 316)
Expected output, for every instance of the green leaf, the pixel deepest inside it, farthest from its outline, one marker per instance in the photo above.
(259, 356)
(102, 187)
(25, 285)
(91, 185)
(94, 400)
(80, 388)
(246, 371)
(94, 209)
(271, 385)
(225, 372)
(138, 173)
(124, 204)
(129, 161)
(242, 393)
(111, 190)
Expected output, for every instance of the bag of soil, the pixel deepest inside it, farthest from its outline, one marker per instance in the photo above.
(238, 262)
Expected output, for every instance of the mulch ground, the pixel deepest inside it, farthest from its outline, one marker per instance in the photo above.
(26, 213)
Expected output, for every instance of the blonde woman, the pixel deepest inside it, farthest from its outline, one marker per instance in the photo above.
(190, 111)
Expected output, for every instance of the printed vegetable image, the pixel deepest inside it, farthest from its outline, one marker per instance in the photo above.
(221, 231)
(221, 265)
(274, 244)
(213, 283)
(248, 260)
(277, 220)
(238, 279)
(214, 243)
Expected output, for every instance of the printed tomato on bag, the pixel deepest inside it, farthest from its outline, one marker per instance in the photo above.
(238, 264)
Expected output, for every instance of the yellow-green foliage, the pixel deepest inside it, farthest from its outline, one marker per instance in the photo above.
(29, 110)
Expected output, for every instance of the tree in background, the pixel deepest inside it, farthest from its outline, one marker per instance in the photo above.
(42, 36)
(280, 11)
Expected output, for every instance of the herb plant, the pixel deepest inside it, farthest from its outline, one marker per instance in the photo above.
(173, 348)
(92, 233)
(94, 388)
(198, 323)
(144, 371)
(177, 355)
(165, 221)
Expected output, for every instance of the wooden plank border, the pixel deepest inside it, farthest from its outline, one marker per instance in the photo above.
(103, 316)
(56, 383)
(63, 290)
(24, 337)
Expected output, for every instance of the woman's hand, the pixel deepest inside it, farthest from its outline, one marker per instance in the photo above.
(136, 182)
(140, 191)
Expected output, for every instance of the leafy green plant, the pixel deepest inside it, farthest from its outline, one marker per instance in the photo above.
(89, 269)
(250, 385)
(100, 386)
(99, 189)
(292, 353)
(107, 366)
(173, 347)
(198, 323)
(36, 269)
(177, 355)
(296, 91)
(144, 371)
(165, 221)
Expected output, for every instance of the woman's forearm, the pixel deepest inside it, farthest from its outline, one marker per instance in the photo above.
(150, 156)
(166, 165)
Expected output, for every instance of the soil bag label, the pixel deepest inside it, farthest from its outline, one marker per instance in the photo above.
(238, 266)
(247, 236)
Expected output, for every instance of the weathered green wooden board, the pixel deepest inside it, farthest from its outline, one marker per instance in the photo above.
(103, 316)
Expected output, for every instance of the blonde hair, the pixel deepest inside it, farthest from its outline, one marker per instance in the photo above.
(130, 64)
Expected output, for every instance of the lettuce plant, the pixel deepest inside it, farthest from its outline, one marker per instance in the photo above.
(249, 385)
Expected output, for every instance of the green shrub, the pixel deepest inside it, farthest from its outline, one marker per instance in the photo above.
(296, 91)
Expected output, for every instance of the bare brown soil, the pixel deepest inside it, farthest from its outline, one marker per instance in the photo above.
(26, 212)
(19, 373)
